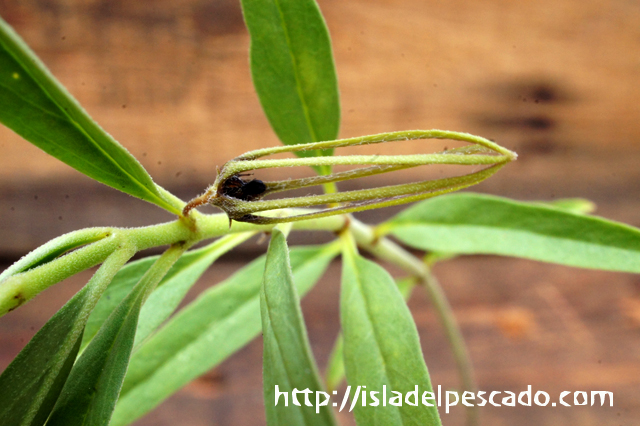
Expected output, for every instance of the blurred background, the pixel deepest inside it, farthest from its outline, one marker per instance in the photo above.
(556, 81)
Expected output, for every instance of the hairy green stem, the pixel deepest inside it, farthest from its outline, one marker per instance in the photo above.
(361, 199)
(55, 248)
(52, 348)
(362, 195)
(405, 135)
(456, 340)
(19, 287)
(233, 168)
(289, 184)
(160, 267)
(242, 199)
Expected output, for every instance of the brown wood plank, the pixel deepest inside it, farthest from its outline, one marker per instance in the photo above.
(555, 81)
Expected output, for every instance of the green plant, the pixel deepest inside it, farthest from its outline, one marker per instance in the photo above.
(108, 355)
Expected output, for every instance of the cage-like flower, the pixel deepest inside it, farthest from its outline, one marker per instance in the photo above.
(242, 198)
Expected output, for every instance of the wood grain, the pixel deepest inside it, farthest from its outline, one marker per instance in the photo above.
(557, 81)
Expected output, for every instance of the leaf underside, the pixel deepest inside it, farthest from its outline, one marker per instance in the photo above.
(217, 324)
(37, 107)
(381, 347)
(468, 223)
(288, 361)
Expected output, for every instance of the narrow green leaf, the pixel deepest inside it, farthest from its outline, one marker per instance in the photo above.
(472, 223)
(92, 388)
(30, 385)
(169, 292)
(217, 324)
(119, 288)
(37, 107)
(288, 360)
(382, 348)
(293, 70)
(335, 367)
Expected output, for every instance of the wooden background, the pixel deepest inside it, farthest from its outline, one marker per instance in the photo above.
(556, 81)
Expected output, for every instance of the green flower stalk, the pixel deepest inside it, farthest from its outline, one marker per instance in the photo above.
(240, 199)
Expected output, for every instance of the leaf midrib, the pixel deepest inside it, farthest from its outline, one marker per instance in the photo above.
(226, 317)
(408, 224)
(356, 271)
(26, 69)
(296, 73)
(136, 301)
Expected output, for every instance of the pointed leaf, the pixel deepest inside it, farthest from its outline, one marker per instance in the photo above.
(288, 360)
(335, 367)
(30, 385)
(473, 223)
(217, 324)
(381, 347)
(92, 388)
(293, 70)
(169, 292)
(37, 107)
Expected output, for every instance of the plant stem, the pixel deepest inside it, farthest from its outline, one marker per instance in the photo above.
(330, 188)
(456, 340)
(359, 196)
(55, 248)
(361, 160)
(161, 267)
(379, 138)
(19, 288)
(389, 251)
(44, 358)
